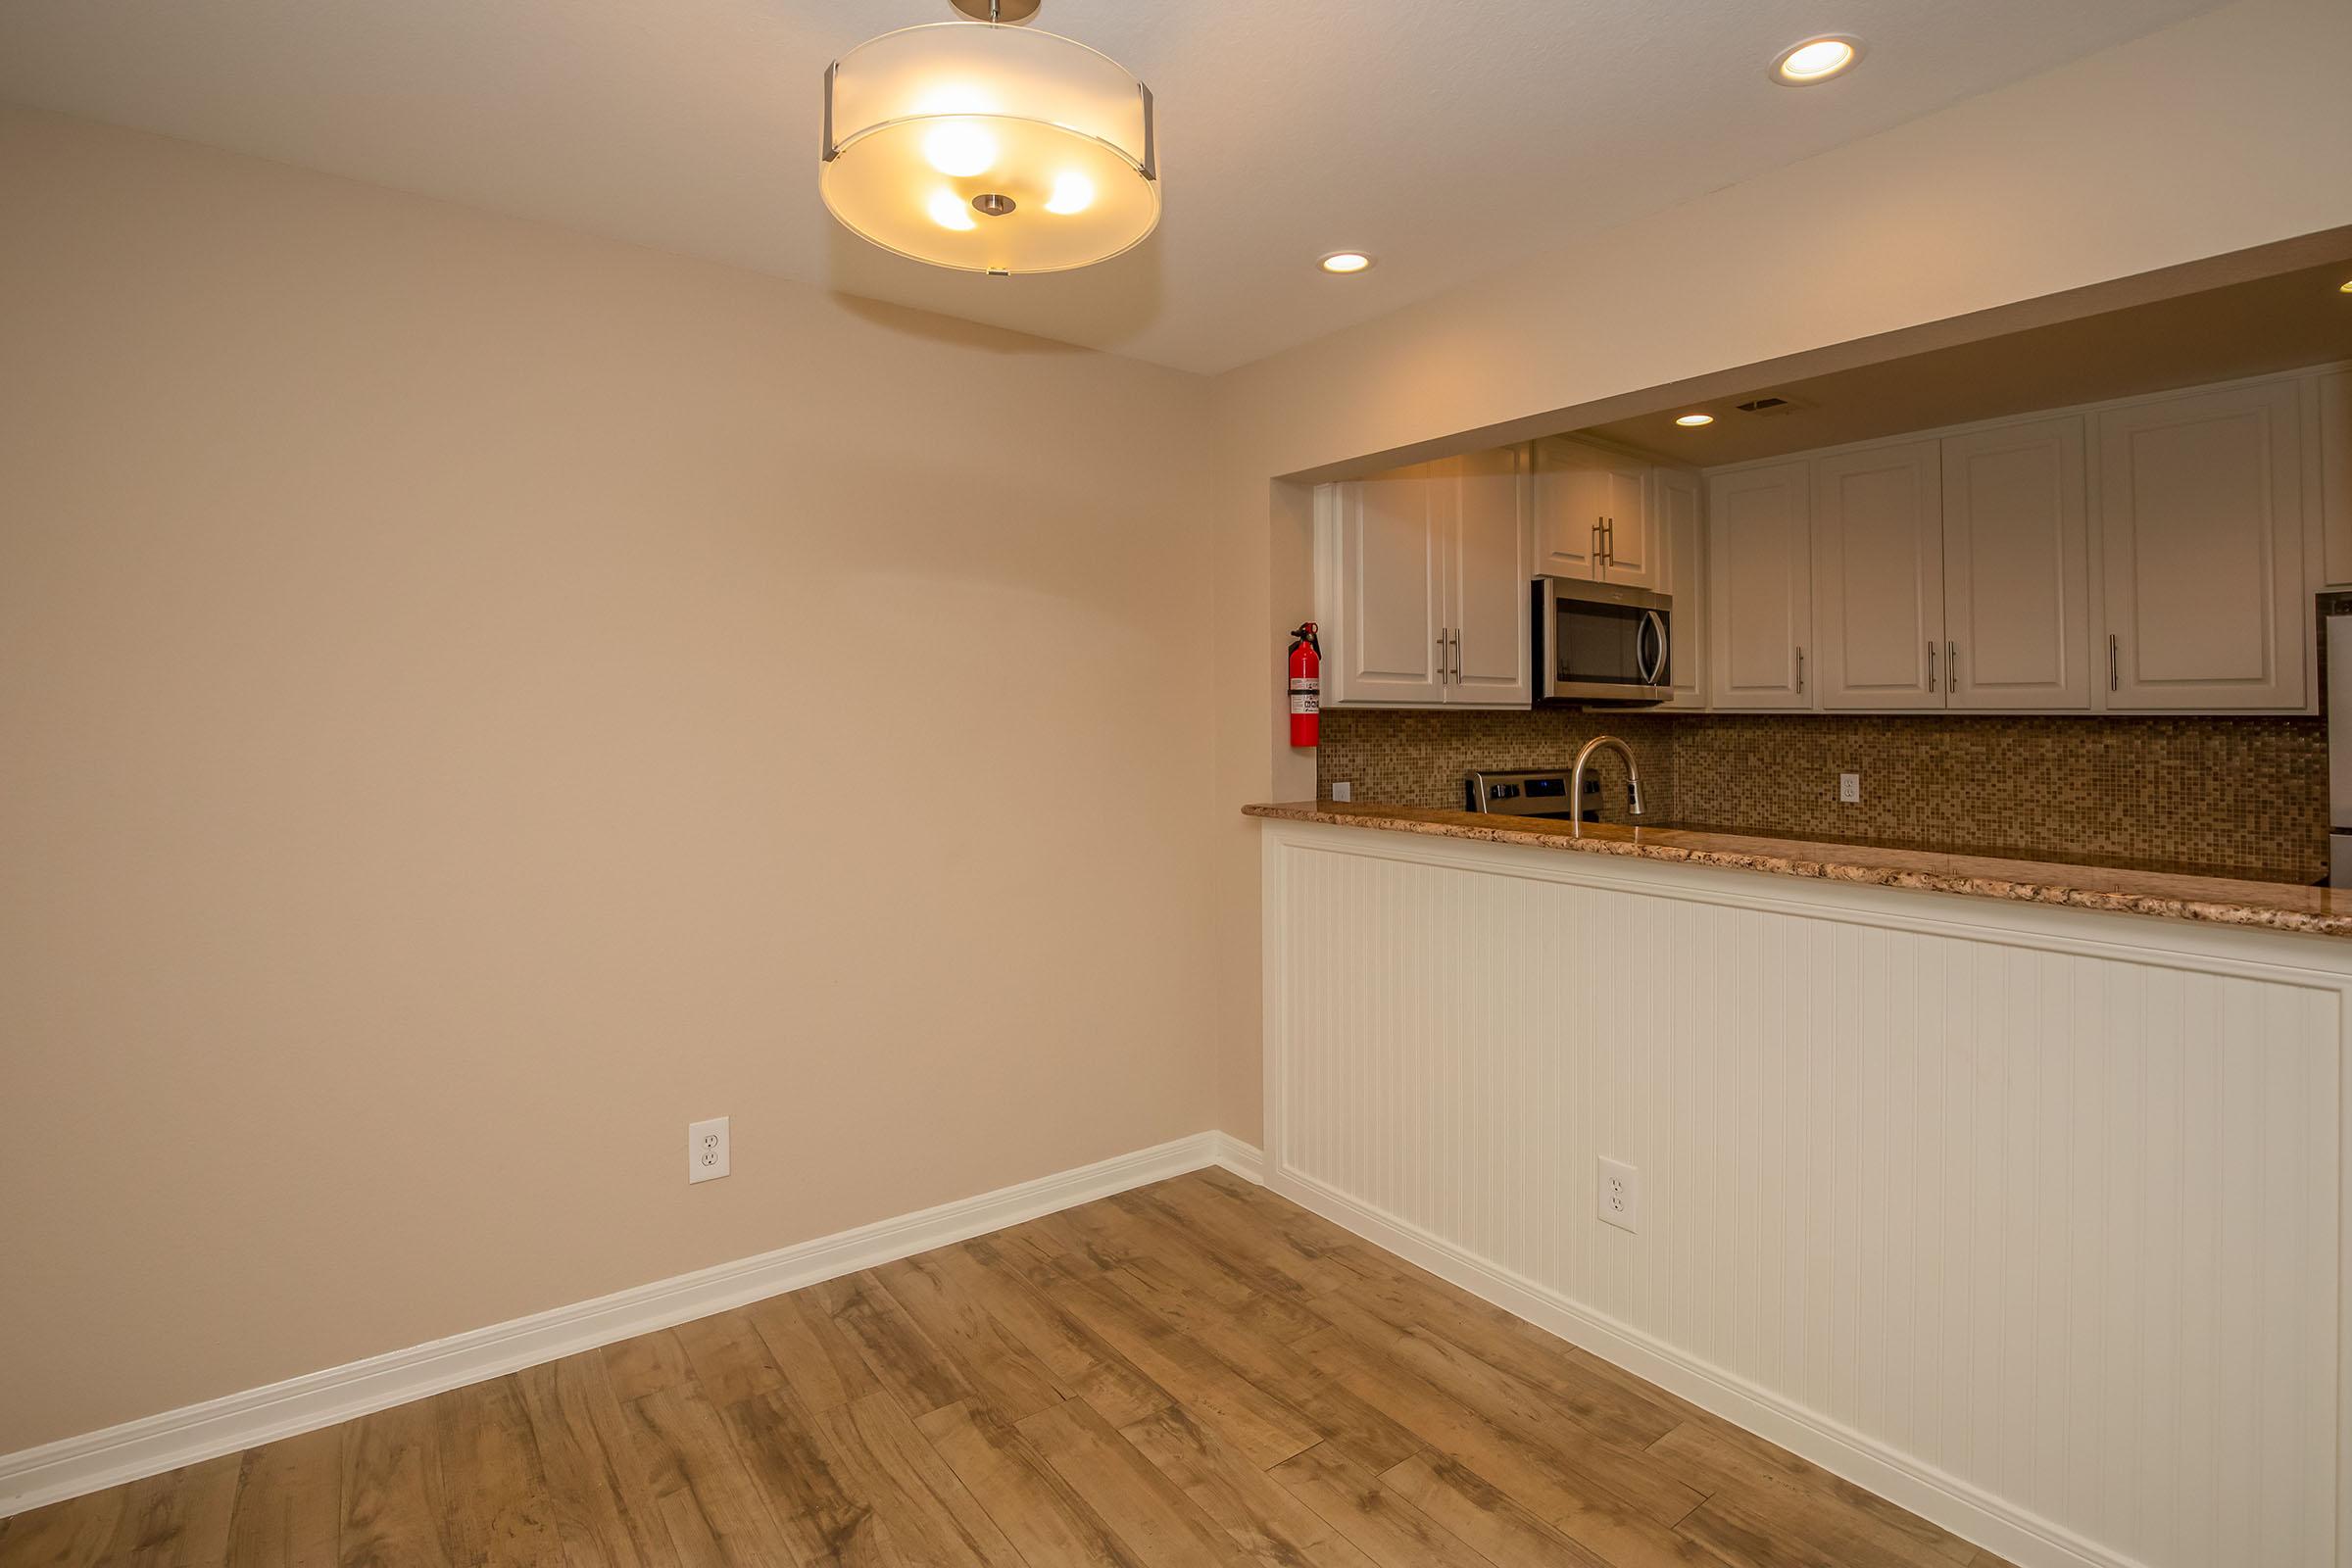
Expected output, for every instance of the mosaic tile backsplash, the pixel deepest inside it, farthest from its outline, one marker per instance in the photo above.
(2243, 797)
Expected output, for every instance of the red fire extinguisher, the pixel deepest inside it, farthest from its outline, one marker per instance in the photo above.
(1306, 684)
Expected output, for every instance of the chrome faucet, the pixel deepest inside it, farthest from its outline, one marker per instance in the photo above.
(1576, 779)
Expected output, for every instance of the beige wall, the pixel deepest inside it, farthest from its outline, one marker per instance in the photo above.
(477, 697)
(2225, 132)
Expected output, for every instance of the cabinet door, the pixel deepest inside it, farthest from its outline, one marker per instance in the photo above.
(1386, 565)
(1759, 587)
(2201, 540)
(2017, 567)
(2335, 396)
(1676, 518)
(1572, 496)
(1486, 577)
(1878, 578)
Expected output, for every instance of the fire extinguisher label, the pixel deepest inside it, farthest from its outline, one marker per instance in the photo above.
(1305, 699)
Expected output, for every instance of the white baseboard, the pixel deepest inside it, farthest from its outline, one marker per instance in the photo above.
(152, 1444)
(1967, 1511)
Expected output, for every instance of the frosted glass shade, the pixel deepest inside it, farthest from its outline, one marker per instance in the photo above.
(989, 148)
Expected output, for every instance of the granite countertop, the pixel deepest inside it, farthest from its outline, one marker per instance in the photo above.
(2167, 894)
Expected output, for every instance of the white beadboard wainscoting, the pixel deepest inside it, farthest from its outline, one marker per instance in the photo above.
(2028, 1218)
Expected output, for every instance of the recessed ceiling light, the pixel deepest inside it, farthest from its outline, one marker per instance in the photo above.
(1346, 261)
(1696, 419)
(2345, 287)
(1801, 65)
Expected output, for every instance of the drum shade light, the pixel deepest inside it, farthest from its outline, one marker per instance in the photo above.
(989, 148)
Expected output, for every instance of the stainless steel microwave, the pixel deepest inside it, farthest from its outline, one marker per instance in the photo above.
(1602, 644)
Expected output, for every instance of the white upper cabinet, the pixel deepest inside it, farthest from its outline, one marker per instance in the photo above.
(2017, 568)
(1487, 579)
(1759, 586)
(2331, 394)
(1676, 516)
(1382, 633)
(1422, 584)
(2201, 541)
(1878, 578)
(1593, 516)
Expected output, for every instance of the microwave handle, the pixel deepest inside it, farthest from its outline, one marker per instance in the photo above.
(1652, 622)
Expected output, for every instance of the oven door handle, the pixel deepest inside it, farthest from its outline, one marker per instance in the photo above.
(1652, 623)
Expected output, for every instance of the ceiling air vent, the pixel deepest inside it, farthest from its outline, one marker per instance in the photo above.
(1770, 405)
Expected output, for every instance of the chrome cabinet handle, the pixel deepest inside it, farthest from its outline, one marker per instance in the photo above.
(1441, 656)
(1951, 667)
(1931, 666)
(1457, 656)
(1800, 670)
(2114, 671)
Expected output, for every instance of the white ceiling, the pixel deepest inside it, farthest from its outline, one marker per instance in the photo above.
(1450, 137)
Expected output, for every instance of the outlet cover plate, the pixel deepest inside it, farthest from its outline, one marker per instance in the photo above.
(708, 1154)
(1617, 1195)
(1849, 788)
(1343, 790)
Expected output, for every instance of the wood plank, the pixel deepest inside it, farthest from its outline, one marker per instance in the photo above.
(1006, 1379)
(821, 1366)
(288, 1510)
(1208, 1215)
(601, 1509)
(1548, 1480)
(1485, 1520)
(1408, 1299)
(1718, 1459)
(391, 1491)
(783, 1446)
(731, 1361)
(880, 1459)
(710, 1509)
(1155, 1242)
(494, 1495)
(905, 1359)
(1080, 1363)
(72, 1533)
(1153, 1521)
(647, 1364)
(1041, 1514)
(1388, 1529)
(1259, 1424)
(1360, 1432)
(1261, 1517)
(178, 1519)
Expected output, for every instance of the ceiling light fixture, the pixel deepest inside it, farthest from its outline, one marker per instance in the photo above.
(1801, 65)
(2345, 287)
(989, 148)
(1346, 261)
(1694, 420)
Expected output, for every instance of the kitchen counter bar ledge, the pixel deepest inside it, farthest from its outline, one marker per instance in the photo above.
(2224, 900)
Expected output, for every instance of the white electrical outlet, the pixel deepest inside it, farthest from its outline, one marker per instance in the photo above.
(1849, 788)
(1617, 1195)
(1342, 791)
(706, 1153)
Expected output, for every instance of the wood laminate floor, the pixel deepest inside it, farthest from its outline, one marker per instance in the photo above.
(1195, 1373)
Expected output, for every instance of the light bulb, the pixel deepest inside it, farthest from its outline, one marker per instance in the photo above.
(1072, 193)
(1344, 262)
(1816, 59)
(949, 211)
(1696, 419)
(960, 148)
